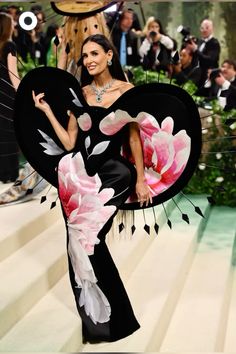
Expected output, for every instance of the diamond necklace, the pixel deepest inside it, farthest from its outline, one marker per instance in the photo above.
(99, 93)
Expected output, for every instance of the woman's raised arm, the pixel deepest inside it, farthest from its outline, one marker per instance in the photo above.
(67, 137)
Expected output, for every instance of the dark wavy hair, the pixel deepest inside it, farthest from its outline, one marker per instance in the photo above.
(115, 69)
(162, 31)
(230, 62)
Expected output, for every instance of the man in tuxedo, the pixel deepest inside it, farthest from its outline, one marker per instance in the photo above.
(206, 51)
(125, 40)
(223, 85)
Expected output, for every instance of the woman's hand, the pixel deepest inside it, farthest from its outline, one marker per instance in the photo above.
(67, 136)
(40, 103)
(143, 193)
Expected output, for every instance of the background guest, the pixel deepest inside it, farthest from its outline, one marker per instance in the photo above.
(9, 82)
(125, 40)
(38, 39)
(223, 85)
(20, 37)
(206, 51)
(186, 69)
(155, 50)
(53, 31)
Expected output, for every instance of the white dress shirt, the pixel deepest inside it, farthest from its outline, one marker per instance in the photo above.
(205, 40)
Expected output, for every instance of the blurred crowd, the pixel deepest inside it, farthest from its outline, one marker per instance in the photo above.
(195, 59)
(150, 46)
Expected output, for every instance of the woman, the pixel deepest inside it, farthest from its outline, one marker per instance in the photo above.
(93, 183)
(9, 84)
(155, 50)
(75, 30)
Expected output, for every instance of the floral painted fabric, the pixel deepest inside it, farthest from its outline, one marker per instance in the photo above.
(83, 199)
(84, 205)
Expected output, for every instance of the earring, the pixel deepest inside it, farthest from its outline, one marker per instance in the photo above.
(109, 62)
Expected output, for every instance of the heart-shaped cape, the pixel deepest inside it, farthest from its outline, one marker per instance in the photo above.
(169, 122)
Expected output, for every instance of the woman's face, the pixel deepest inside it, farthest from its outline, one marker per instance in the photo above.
(154, 26)
(185, 57)
(95, 58)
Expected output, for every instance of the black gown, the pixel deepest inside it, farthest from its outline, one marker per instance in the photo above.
(98, 177)
(8, 145)
(93, 183)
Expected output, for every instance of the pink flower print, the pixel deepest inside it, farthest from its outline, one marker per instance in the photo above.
(90, 216)
(84, 121)
(84, 205)
(147, 123)
(147, 153)
(113, 122)
(73, 179)
(167, 154)
(82, 200)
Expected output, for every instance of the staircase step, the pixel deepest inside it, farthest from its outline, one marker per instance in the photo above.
(29, 273)
(157, 281)
(198, 322)
(51, 325)
(30, 219)
(230, 338)
(127, 249)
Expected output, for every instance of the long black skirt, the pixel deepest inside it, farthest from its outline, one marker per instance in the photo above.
(113, 318)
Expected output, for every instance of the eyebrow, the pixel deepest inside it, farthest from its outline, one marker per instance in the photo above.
(92, 52)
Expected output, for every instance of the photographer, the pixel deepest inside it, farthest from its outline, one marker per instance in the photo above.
(155, 50)
(223, 85)
(206, 51)
(186, 69)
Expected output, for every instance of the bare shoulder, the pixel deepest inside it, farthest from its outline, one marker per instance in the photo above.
(124, 86)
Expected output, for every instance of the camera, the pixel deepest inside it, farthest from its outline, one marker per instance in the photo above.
(215, 73)
(152, 34)
(187, 37)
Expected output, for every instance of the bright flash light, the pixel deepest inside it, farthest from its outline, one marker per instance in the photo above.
(28, 21)
(112, 8)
